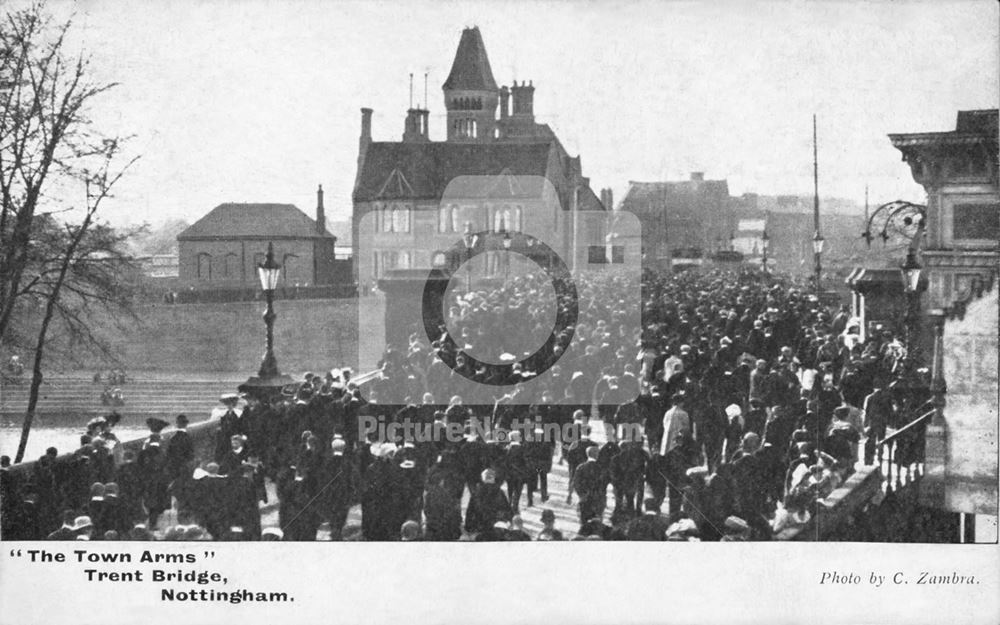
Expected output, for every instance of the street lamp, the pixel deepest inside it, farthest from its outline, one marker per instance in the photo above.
(910, 273)
(818, 242)
(765, 242)
(507, 242)
(268, 376)
(469, 240)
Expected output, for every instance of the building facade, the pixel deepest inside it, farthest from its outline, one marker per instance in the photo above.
(959, 169)
(683, 222)
(223, 249)
(498, 169)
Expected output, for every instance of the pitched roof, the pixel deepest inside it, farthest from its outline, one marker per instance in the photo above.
(471, 68)
(428, 168)
(685, 196)
(235, 221)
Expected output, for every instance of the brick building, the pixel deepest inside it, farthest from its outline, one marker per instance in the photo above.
(222, 249)
(411, 193)
(683, 221)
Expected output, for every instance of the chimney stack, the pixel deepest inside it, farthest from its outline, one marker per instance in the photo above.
(697, 176)
(524, 96)
(415, 128)
(504, 102)
(366, 126)
(607, 199)
(320, 212)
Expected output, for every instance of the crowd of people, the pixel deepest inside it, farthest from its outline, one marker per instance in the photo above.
(739, 403)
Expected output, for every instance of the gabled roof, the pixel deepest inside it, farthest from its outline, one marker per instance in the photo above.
(680, 197)
(428, 168)
(471, 68)
(237, 221)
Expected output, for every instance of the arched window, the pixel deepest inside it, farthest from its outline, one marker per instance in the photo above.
(204, 266)
(454, 218)
(404, 260)
(518, 225)
(287, 262)
(229, 265)
(375, 265)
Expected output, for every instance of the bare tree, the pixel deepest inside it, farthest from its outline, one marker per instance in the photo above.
(45, 131)
(77, 280)
(47, 142)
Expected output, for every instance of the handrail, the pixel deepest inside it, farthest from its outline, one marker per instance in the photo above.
(906, 428)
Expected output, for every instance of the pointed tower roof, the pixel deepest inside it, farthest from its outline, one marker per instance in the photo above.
(471, 69)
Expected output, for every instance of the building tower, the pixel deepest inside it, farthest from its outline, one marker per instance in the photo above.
(470, 92)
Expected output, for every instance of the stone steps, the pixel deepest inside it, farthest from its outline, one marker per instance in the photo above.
(147, 397)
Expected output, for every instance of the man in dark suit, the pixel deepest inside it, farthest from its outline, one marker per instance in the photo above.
(341, 477)
(180, 451)
(577, 453)
(487, 505)
(518, 472)
(115, 515)
(650, 526)
(443, 499)
(153, 474)
(878, 414)
(591, 487)
(627, 470)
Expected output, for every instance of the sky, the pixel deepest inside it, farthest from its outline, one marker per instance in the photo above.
(258, 101)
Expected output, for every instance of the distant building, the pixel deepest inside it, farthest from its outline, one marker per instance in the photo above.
(223, 248)
(687, 219)
(402, 185)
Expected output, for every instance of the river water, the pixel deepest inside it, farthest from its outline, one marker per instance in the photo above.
(63, 438)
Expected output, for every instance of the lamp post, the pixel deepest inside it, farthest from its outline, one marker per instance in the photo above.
(817, 237)
(765, 242)
(469, 240)
(818, 242)
(268, 376)
(910, 272)
(507, 242)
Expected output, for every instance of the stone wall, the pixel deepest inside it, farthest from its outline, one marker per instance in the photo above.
(309, 335)
(970, 369)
